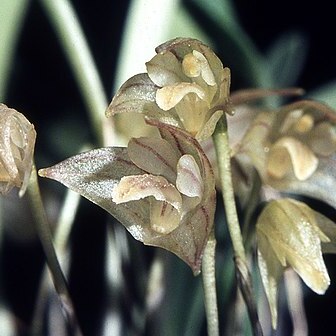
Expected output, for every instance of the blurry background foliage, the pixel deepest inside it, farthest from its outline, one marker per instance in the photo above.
(265, 43)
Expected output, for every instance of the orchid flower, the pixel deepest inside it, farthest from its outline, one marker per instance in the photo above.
(162, 189)
(291, 234)
(17, 142)
(293, 149)
(185, 85)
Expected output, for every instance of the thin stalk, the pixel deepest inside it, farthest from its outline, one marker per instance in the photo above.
(209, 286)
(223, 153)
(45, 236)
(61, 238)
(63, 16)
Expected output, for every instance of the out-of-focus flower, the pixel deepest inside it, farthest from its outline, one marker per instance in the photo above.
(17, 142)
(290, 234)
(185, 86)
(293, 148)
(161, 189)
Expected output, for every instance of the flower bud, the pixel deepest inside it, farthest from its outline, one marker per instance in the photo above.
(17, 141)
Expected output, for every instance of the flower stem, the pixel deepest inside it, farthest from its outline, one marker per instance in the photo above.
(61, 238)
(44, 233)
(223, 152)
(209, 286)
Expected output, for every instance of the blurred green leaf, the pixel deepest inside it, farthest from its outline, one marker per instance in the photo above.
(185, 25)
(12, 13)
(195, 315)
(325, 93)
(183, 298)
(286, 58)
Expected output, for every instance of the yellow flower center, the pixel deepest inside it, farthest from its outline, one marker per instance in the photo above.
(304, 124)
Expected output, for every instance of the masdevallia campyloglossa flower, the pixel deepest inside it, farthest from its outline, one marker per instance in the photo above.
(185, 85)
(291, 234)
(293, 149)
(162, 189)
(17, 142)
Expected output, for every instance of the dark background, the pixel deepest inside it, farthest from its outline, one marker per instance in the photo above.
(42, 87)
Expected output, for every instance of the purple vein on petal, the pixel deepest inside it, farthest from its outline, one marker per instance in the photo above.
(156, 153)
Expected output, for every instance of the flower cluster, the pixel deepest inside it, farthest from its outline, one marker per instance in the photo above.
(161, 188)
(293, 150)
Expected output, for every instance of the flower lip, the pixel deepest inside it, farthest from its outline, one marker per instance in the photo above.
(289, 153)
(169, 96)
(135, 187)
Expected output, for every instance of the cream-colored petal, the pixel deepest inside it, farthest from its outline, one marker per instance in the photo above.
(328, 239)
(208, 129)
(329, 229)
(303, 247)
(323, 139)
(189, 180)
(290, 120)
(191, 66)
(192, 112)
(255, 143)
(312, 271)
(169, 96)
(17, 144)
(154, 155)
(292, 231)
(271, 271)
(304, 124)
(195, 64)
(136, 187)
(7, 157)
(206, 71)
(133, 96)
(289, 153)
(223, 92)
(165, 69)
